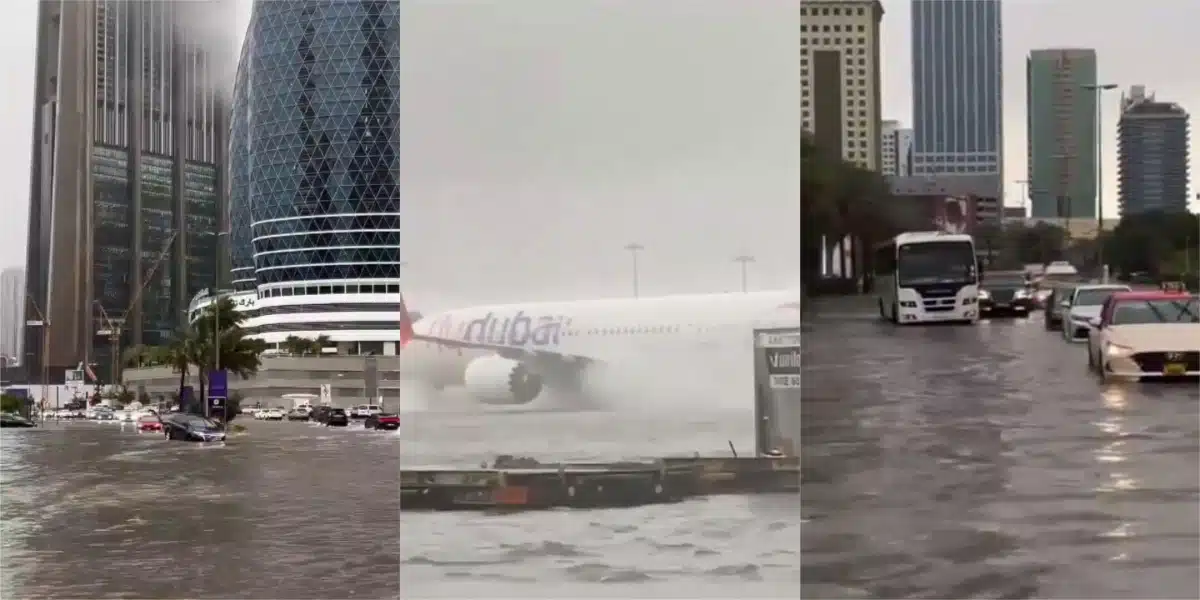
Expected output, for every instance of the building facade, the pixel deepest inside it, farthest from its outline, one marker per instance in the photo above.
(839, 77)
(895, 150)
(315, 191)
(12, 316)
(1152, 154)
(958, 90)
(1061, 132)
(126, 177)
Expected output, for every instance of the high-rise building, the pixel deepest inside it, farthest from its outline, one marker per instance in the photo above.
(12, 306)
(1152, 154)
(958, 91)
(314, 170)
(839, 77)
(895, 150)
(1061, 132)
(126, 179)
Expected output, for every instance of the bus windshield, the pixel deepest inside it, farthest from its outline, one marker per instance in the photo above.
(935, 262)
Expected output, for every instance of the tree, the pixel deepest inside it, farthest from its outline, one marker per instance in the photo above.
(11, 404)
(300, 346)
(1149, 242)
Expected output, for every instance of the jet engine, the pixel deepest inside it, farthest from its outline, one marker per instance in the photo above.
(497, 380)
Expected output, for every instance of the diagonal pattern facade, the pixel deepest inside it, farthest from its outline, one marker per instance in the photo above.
(314, 144)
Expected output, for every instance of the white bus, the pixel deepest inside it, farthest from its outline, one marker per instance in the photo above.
(927, 277)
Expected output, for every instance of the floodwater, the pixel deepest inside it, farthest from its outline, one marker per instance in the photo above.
(986, 462)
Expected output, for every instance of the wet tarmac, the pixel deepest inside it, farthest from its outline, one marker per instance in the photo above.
(986, 462)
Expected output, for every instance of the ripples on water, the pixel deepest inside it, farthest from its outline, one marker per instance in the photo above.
(985, 462)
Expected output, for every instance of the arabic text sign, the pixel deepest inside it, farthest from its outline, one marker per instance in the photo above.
(779, 340)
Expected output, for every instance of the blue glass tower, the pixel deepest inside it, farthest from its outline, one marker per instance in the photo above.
(315, 152)
(957, 87)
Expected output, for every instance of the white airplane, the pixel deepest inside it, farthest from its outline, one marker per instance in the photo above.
(507, 354)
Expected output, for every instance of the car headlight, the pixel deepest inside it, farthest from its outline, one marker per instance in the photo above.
(984, 295)
(1117, 350)
(1021, 294)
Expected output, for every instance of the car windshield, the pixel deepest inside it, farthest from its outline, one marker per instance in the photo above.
(1159, 310)
(935, 262)
(338, 411)
(1095, 297)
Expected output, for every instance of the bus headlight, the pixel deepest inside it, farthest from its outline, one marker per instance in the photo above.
(984, 295)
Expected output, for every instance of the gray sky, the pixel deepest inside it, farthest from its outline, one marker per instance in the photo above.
(1136, 43)
(541, 136)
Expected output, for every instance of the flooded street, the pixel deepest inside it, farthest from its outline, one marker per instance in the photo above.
(956, 462)
(285, 511)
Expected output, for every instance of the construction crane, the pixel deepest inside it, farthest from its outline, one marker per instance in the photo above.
(114, 327)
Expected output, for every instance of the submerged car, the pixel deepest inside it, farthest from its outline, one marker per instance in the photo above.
(149, 424)
(1083, 304)
(192, 428)
(297, 414)
(1146, 335)
(1001, 294)
(337, 417)
(385, 421)
(15, 420)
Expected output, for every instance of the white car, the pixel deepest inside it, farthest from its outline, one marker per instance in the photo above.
(363, 411)
(1082, 304)
(270, 414)
(1146, 335)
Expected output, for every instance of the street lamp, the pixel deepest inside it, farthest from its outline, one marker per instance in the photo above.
(634, 248)
(744, 260)
(1098, 90)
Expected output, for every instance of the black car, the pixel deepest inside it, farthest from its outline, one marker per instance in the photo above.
(191, 428)
(297, 414)
(320, 414)
(385, 421)
(336, 417)
(1005, 295)
(15, 420)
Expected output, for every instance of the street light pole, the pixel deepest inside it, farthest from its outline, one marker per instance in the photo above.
(634, 248)
(744, 259)
(1098, 90)
(217, 328)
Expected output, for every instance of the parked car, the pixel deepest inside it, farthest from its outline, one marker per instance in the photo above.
(320, 414)
(270, 414)
(149, 424)
(1144, 335)
(384, 421)
(337, 417)
(297, 415)
(363, 411)
(192, 428)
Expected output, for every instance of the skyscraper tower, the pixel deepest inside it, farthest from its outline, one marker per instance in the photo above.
(1061, 132)
(958, 89)
(1152, 154)
(126, 184)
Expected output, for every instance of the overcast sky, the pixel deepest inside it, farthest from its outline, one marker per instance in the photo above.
(541, 136)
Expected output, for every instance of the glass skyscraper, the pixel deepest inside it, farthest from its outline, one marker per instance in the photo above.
(957, 87)
(126, 181)
(315, 151)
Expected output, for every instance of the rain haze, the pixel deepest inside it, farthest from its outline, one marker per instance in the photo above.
(541, 137)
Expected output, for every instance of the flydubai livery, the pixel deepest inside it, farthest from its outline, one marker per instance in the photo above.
(507, 354)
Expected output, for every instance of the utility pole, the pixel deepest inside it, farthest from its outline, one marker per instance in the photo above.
(744, 259)
(633, 249)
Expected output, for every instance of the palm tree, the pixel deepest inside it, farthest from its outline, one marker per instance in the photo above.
(300, 346)
(238, 354)
(178, 353)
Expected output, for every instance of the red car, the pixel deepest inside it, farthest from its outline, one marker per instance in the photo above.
(149, 423)
(388, 422)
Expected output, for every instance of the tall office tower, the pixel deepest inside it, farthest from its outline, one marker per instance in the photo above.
(128, 146)
(839, 77)
(315, 166)
(12, 305)
(1152, 154)
(958, 91)
(1061, 132)
(895, 149)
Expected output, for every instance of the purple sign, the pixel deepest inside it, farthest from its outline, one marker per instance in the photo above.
(218, 384)
(516, 330)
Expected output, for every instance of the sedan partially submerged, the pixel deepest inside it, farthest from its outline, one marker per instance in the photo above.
(149, 424)
(192, 428)
(1146, 335)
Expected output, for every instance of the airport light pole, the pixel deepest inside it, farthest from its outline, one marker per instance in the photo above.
(744, 259)
(1098, 90)
(634, 248)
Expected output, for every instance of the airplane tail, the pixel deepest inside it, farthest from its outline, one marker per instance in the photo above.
(406, 324)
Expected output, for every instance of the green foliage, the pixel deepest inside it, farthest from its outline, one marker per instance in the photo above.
(300, 346)
(1157, 243)
(11, 404)
(215, 338)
